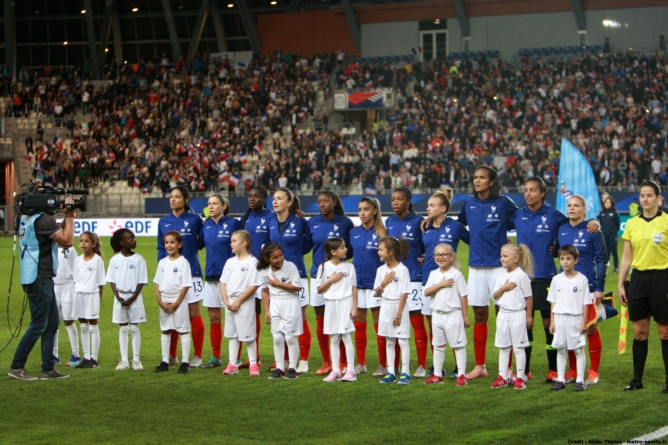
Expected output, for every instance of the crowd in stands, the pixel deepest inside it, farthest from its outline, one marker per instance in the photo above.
(197, 123)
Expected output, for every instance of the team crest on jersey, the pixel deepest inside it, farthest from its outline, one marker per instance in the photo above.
(544, 219)
(345, 274)
(336, 227)
(283, 279)
(90, 267)
(396, 279)
(132, 266)
(224, 225)
(243, 269)
(408, 227)
(176, 269)
(575, 289)
(374, 236)
(262, 221)
(185, 223)
(447, 229)
(658, 238)
(493, 208)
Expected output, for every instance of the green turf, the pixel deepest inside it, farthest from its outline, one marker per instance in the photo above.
(106, 406)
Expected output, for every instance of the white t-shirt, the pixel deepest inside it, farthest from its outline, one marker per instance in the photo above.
(514, 300)
(65, 272)
(400, 285)
(88, 275)
(569, 295)
(448, 298)
(342, 288)
(127, 272)
(239, 276)
(172, 276)
(286, 274)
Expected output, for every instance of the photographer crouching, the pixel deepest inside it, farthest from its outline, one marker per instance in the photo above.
(40, 236)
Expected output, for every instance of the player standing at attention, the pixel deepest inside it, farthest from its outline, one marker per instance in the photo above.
(447, 290)
(89, 280)
(364, 240)
(63, 286)
(217, 232)
(488, 216)
(592, 264)
(440, 229)
(281, 285)
(512, 293)
(189, 225)
(127, 275)
(330, 223)
(238, 284)
(393, 285)
(336, 283)
(405, 223)
(172, 283)
(570, 296)
(293, 235)
(256, 222)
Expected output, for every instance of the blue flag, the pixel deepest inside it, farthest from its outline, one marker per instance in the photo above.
(576, 178)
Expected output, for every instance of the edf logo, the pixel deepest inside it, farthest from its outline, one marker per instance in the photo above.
(138, 226)
(84, 226)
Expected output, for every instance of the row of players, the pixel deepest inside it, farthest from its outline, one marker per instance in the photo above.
(487, 214)
(336, 280)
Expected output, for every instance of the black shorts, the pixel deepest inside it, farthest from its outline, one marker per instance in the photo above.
(648, 295)
(539, 291)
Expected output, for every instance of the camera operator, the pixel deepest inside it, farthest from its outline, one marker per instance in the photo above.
(40, 236)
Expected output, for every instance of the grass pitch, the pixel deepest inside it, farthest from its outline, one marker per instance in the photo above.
(107, 406)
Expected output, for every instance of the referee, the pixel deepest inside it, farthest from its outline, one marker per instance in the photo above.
(646, 251)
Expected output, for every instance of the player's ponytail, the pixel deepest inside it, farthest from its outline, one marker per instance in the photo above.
(378, 225)
(265, 253)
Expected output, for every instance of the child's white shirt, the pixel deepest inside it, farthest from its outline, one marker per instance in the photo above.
(127, 272)
(569, 295)
(447, 299)
(288, 273)
(400, 285)
(342, 288)
(516, 299)
(172, 276)
(239, 276)
(88, 275)
(65, 271)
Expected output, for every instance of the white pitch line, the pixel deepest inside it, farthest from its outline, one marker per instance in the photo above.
(658, 434)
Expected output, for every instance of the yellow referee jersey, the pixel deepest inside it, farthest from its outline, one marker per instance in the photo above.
(649, 240)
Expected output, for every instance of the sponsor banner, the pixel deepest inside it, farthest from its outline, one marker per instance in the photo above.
(107, 226)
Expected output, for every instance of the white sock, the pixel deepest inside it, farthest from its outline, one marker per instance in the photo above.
(293, 350)
(233, 350)
(439, 360)
(279, 350)
(504, 357)
(334, 351)
(390, 343)
(581, 360)
(123, 334)
(55, 343)
(562, 353)
(185, 347)
(405, 356)
(74, 338)
(521, 359)
(251, 347)
(460, 356)
(94, 340)
(85, 340)
(136, 341)
(164, 345)
(350, 350)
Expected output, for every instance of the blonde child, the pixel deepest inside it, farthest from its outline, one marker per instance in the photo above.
(89, 280)
(238, 284)
(336, 282)
(570, 296)
(172, 283)
(393, 284)
(281, 285)
(513, 296)
(127, 275)
(63, 286)
(447, 292)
